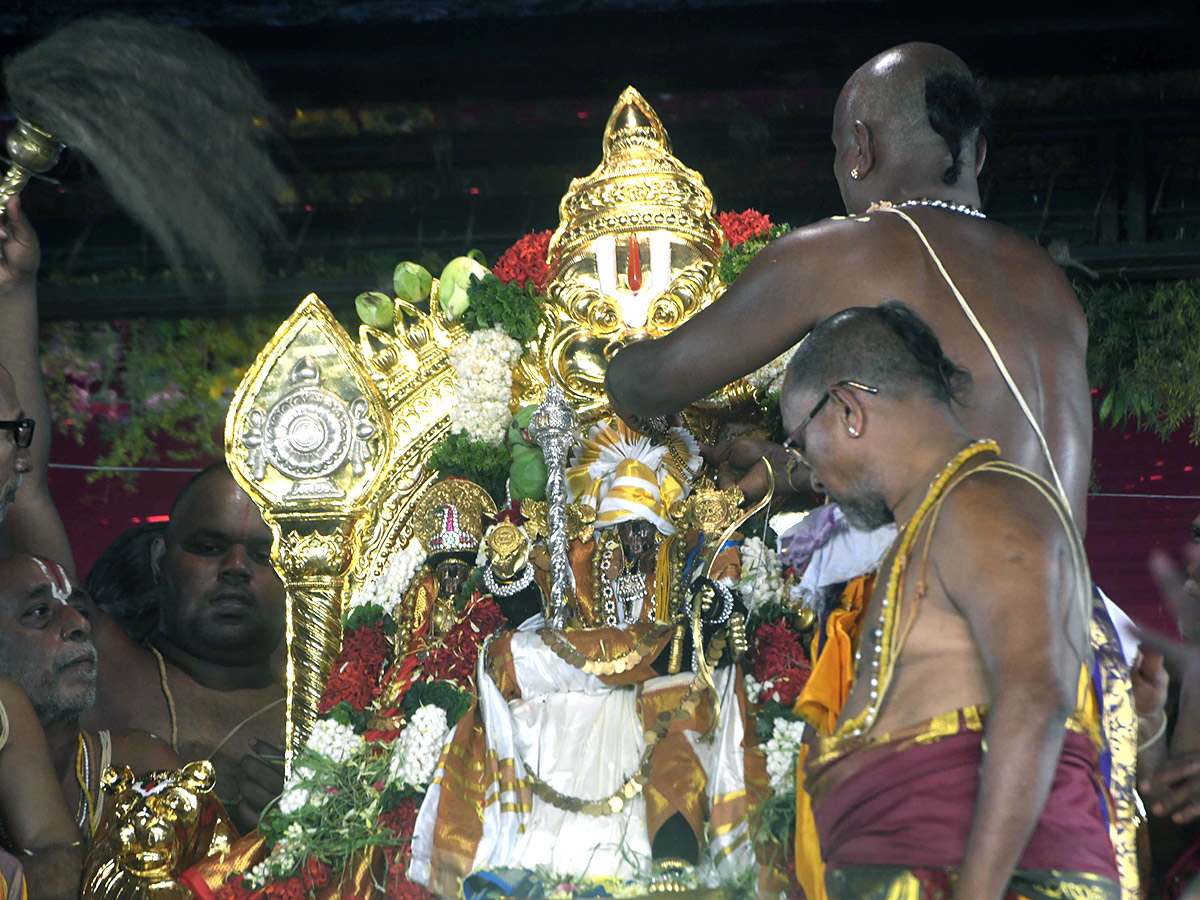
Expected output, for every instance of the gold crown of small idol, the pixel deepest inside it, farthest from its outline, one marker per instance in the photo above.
(638, 186)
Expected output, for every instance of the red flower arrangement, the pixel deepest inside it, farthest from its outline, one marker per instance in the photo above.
(401, 821)
(740, 227)
(779, 658)
(355, 675)
(455, 659)
(313, 876)
(525, 261)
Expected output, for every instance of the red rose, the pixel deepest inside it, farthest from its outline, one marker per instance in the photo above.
(740, 227)
(525, 261)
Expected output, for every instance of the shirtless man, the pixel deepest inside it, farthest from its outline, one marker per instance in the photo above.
(907, 128)
(46, 648)
(975, 636)
(222, 608)
(206, 677)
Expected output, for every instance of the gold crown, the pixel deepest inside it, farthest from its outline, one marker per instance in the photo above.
(638, 186)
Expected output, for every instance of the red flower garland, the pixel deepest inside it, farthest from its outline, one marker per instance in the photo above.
(740, 227)
(355, 675)
(779, 658)
(401, 821)
(525, 261)
(455, 659)
(313, 876)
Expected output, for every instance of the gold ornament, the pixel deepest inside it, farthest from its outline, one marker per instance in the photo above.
(708, 510)
(580, 517)
(634, 256)
(471, 502)
(154, 827)
(507, 550)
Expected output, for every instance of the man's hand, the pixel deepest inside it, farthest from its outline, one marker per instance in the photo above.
(739, 461)
(1150, 682)
(1174, 790)
(259, 781)
(19, 251)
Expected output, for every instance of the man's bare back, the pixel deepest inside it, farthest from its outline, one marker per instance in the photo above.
(1015, 289)
(885, 152)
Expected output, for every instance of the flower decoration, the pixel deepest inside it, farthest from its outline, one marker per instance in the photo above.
(525, 261)
(762, 578)
(483, 383)
(778, 657)
(739, 227)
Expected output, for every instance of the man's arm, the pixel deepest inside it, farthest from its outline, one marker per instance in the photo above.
(33, 524)
(32, 806)
(1006, 568)
(765, 312)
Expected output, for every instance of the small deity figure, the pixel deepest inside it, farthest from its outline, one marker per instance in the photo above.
(591, 750)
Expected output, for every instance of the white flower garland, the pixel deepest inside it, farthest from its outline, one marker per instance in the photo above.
(762, 575)
(415, 753)
(388, 590)
(769, 379)
(483, 384)
(783, 750)
(336, 742)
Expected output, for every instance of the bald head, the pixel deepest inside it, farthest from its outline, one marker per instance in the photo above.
(908, 121)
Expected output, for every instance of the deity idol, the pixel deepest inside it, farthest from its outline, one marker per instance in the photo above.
(542, 680)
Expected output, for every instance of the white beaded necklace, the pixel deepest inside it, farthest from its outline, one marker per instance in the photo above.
(942, 204)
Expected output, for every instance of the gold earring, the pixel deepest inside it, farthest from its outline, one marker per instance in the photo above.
(854, 174)
(853, 431)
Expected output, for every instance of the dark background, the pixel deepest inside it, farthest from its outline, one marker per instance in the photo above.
(420, 130)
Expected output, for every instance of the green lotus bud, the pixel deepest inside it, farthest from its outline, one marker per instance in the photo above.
(527, 478)
(375, 308)
(412, 282)
(452, 286)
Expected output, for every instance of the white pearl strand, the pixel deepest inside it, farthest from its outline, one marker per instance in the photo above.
(942, 204)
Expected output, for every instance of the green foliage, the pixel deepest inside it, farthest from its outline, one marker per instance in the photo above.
(457, 456)
(149, 383)
(764, 720)
(734, 259)
(494, 303)
(369, 615)
(1144, 353)
(453, 700)
(346, 714)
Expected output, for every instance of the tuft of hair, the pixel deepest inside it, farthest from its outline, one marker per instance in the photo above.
(887, 346)
(175, 126)
(957, 105)
(122, 583)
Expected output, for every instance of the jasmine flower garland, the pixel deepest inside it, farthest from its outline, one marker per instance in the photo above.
(415, 753)
(483, 384)
(782, 750)
(388, 590)
(762, 576)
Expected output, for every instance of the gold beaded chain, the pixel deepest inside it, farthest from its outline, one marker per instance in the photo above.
(615, 802)
(884, 634)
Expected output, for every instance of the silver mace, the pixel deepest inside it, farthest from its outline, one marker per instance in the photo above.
(555, 428)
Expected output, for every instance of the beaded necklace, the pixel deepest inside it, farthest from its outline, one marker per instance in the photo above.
(884, 634)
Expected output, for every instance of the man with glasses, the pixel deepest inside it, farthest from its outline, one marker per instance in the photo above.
(14, 442)
(965, 760)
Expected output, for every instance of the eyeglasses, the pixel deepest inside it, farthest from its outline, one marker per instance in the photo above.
(794, 438)
(22, 431)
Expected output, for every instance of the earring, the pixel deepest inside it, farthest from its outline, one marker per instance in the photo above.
(852, 431)
(854, 173)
